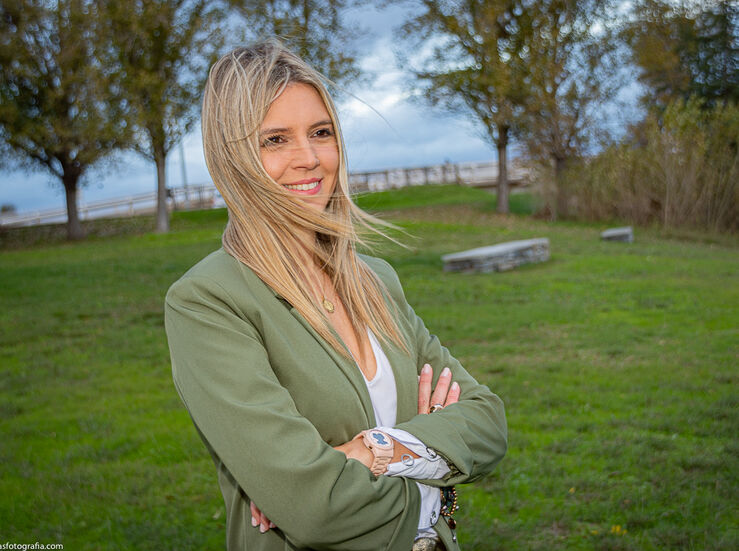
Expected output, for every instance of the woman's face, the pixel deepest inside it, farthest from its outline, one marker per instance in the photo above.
(298, 145)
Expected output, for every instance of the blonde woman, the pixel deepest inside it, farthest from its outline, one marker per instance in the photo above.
(306, 373)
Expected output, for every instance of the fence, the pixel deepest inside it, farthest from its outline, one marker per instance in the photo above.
(182, 198)
(480, 174)
(206, 195)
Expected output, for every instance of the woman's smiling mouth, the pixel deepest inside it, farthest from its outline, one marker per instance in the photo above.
(305, 187)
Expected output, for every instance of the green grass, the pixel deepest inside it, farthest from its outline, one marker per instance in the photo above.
(409, 197)
(617, 363)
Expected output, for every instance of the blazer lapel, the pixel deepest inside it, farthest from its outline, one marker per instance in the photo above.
(348, 367)
(406, 381)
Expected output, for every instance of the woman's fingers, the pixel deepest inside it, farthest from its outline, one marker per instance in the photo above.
(442, 388)
(444, 394)
(260, 519)
(453, 396)
(424, 389)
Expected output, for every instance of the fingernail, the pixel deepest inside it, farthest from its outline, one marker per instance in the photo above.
(263, 528)
(455, 387)
(426, 369)
(446, 372)
(272, 525)
(254, 521)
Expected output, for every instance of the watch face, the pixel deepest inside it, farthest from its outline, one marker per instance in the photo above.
(380, 439)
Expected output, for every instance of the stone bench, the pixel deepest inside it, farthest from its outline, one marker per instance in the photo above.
(625, 234)
(498, 258)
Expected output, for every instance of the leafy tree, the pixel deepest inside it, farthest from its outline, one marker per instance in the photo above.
(473, 66)
(162, 49)
(570, 53)
(687, 49)
(313, 29)
(58, 107)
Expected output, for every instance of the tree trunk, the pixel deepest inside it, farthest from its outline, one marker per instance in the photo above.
(560, 210)
(502, 144)
(160, 158)
(74, 227)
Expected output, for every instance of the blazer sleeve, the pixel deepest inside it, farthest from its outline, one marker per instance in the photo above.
(318, 498)
(470, 435)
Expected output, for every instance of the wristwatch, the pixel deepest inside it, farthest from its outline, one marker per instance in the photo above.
(381, 446)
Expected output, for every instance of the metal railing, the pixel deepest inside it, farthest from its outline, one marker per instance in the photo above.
(182, 198)
(479, 174)
(203, 196)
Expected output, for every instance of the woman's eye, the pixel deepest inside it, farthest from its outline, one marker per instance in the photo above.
(271, 141)
(324, 133)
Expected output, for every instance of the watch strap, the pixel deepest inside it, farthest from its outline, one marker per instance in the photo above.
(382, 455)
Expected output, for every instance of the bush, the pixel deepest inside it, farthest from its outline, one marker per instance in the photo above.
(682, 171)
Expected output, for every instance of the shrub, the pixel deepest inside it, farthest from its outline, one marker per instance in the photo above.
(681, 171)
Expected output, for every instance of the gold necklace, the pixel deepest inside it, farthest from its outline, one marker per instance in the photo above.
(326, 303)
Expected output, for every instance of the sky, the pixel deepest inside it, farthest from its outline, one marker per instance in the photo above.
(383, 128)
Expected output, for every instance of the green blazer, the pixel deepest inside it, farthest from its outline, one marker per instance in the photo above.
(269, 398)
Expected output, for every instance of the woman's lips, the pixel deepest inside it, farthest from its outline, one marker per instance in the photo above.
(305, 187)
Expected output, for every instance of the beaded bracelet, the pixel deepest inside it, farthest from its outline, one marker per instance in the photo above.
(449, 505)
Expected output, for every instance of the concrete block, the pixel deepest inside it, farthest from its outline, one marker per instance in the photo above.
(498, 258)
(625, 234)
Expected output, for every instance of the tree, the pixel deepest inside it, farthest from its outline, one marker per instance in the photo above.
(683, 50)
(162, 49)
(473, 66)
(314, 29)
(570, 56)
(58, 108)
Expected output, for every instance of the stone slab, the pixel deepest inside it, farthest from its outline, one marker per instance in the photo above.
(498, 258)
(625, 234)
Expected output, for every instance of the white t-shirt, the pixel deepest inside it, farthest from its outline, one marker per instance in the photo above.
(384, 397)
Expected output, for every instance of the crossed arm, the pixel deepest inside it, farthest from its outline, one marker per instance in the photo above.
(446, 392)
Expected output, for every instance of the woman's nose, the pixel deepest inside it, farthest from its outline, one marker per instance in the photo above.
(305, 155)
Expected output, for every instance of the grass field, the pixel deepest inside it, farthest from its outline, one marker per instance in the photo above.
(617, 363)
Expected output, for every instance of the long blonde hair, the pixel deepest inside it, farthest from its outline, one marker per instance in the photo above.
(264, 218)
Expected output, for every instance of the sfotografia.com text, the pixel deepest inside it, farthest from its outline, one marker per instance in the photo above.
(25, 546)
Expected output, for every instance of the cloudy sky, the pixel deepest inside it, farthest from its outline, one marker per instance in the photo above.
(411, 134)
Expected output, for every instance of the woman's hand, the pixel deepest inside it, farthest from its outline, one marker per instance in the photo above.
(444, 394)
(356, 449)
(260, 519)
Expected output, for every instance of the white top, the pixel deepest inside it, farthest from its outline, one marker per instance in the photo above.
(384, 396)
(381, 388)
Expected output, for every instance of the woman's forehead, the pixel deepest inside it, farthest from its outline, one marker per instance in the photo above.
(298, 103)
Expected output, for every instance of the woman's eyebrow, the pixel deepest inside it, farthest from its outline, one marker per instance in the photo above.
(273, 131)
(320, 123)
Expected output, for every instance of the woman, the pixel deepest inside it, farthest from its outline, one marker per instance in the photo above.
(287, 345)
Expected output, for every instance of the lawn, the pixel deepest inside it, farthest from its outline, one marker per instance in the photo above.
(617, 364)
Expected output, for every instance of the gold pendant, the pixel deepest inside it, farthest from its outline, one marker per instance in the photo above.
(328, 305)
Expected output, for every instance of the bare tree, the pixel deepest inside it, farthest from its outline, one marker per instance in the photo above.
(472, 66)
(58, 107)
(162, 49)
(572, 69)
